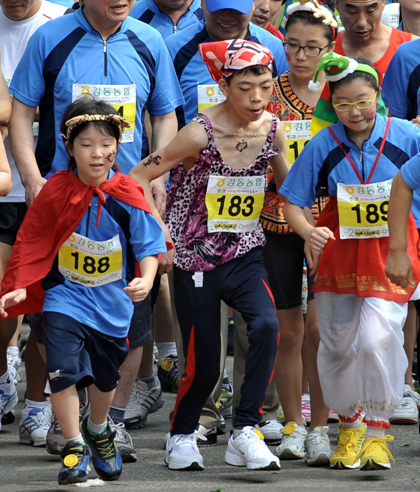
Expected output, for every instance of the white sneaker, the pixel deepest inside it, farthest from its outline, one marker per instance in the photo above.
(272, 431)
(182, 453)
(249, 449)
(292, 446)
(13, 364)
(317, 447)
(33, 427)
(407, 411)
(8, 400)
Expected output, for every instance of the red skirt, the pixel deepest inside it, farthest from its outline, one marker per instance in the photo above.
(357, 266)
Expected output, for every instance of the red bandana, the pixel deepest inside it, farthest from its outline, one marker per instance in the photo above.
(223, 58)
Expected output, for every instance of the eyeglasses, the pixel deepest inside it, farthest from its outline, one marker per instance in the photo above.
(363, 104)
(293, 49)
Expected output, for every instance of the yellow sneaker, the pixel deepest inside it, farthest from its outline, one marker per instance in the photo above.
(347, 452)
(375, 454)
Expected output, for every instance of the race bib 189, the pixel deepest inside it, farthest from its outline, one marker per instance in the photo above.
(234, 204)
(363, 210)
(120, 97)
(90, 263)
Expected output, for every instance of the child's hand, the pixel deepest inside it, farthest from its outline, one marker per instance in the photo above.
(166, 261)
(318, 238)
(398, 269)
(11, 299)
(138, 289)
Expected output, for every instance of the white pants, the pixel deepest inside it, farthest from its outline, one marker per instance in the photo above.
(361, 359)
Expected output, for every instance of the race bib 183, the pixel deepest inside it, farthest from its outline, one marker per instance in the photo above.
(234, 204)
(90, 263)
(363, 210)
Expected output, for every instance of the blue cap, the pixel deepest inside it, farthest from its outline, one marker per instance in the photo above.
(243, 6)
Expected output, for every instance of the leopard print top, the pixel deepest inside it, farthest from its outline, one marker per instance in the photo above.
(197, 250)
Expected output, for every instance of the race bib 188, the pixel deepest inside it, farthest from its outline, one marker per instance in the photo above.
(90, 263)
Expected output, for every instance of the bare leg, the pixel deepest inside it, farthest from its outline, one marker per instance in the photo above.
(35, 371)
(66, 408)
(288, 372)
(319, 411)
(146, 365)
(163, 324)
(100, 403)
(128, 372)
(410, 337)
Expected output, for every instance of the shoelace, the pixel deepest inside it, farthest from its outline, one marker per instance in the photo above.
(105, 448)
(318, 437)
(121, 433)
(38, 418)
(373, 442)
(348, 439)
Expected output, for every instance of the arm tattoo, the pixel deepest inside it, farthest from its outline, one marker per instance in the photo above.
(153, 159)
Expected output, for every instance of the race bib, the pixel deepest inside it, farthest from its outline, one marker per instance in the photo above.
(363, 210)
(120, 97)
(90, 263)
(297, 135)
(209, 95)
(234, 204)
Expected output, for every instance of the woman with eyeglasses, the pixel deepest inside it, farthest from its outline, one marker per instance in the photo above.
(361, 360)
(310, 33)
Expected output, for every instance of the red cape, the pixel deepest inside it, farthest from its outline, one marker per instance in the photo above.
(50, 220)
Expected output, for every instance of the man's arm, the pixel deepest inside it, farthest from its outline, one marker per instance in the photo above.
(398, 265)
(5, 105)
(164, 129)
(22, 146)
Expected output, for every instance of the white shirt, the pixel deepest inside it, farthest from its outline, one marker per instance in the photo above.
(14, 37)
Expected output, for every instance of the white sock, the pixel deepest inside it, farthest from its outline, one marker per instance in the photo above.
(353, 425)
(96, 429)
(375, 432)
(165, 349)
(34, 404)
(12, 350)
(78, 439)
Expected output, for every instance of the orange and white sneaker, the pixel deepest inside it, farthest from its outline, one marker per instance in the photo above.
(347, 452)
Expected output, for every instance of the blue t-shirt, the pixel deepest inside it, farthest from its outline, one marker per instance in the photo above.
(106, 308)
(192, 71)
(65, 3)
(147, 11)
(411, 173)
(67, 56)
(322, 164)
(401, 86)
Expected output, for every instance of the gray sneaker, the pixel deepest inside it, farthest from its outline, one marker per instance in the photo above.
(124, 442)
(142, 402)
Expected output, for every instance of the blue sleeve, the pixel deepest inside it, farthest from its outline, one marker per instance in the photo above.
(411, 172)
(301, 182)
(28, 83)
(395, 87)
(147, 237)
(167, 95)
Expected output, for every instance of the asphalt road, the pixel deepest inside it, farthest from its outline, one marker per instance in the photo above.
(25, 468)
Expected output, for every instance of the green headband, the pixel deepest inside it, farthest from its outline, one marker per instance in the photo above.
(337, 67)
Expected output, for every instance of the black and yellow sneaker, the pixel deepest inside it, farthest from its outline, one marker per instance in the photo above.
(105, 455)
(75, 459)
(168, 374)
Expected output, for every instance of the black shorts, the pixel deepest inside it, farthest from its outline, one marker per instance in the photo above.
(140, 331)
(80, 355)
(283, 258)
(11, 218)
